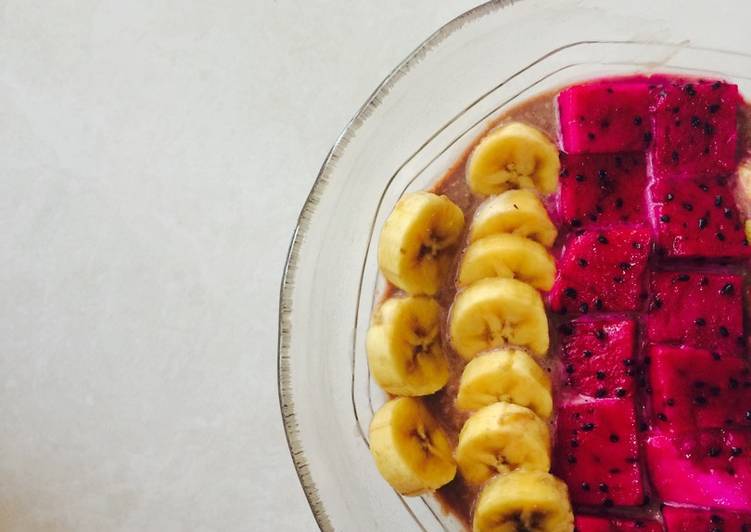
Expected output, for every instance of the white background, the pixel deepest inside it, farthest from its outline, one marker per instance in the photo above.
(154, 156)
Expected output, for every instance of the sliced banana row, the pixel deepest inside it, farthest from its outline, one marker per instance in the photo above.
(499, 276)
(506, 261)
(496, 316)
(403, 344)
(505, 448)
(508, 432)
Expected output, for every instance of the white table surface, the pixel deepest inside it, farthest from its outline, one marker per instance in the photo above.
(154, 157)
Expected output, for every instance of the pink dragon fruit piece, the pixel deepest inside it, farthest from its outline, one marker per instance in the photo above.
(597, 452)
(709, 468)
(601, 270)
(588, 523)
(697, 309)
(696, 389)
(603, 116)
(695, 128)
(598, 357)
(699, 520)
(697, 218)
(602, 189)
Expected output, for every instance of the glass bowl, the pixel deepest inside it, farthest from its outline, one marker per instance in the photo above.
(416, 123)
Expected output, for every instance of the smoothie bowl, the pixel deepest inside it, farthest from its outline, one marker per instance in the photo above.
(516, 300)
(562, 332)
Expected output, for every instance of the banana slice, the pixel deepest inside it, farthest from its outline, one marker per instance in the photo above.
(514, 156)
(507, 255)
(505, 375)
(533, 501)
(495, 312)
(410, 450)
(404, 347)
(744, 185)
(519, 212)
(744, 191)
(413, 249)
(500, 438)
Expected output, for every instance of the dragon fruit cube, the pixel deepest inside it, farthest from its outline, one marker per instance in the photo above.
(598, 356)
(709, 468)
(679, 519)
(695, 218)
(697, 389)
(588, 523)
(605, 116)
(698, 309)
(602, 189)
(597, 453)
(695, 130)
(602, 270)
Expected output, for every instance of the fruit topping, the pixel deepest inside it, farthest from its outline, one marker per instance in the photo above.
(506, 255)
(601, 270)
(517, 212)
(697, 389)
(698, 309)
(701, 520)
(605, 116)
(588, 523)
(500, 438)
(597, 453)
(598, 357)
(498, 312)
(505, 375)
(404, 346)
(697, 218)
(414, 251)
(409, 447)
(694, 128)
(514, 156)
(602, 189)
(523, 500)
(707, 468)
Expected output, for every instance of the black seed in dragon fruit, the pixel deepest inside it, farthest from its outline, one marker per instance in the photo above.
(590, 523)
(597, 453)
(697, 389)
(697, 309)
(598, 357)
(602, 189)
(601, 270)
(695, 131)
(678, 519)
(710, 468)
(697, 218)
(605, 116)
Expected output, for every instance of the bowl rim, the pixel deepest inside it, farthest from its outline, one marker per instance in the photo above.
(285, 394)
